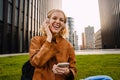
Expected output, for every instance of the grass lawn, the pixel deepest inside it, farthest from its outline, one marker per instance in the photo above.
(10, 67)
(90, 65)
(87, 65)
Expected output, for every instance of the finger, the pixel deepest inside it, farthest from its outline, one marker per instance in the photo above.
(56, 70)
(46, 28)
(59, 71)
(53, 69)
(45, 22)
(64, 70)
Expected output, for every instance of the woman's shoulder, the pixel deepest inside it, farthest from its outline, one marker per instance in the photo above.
(66, 41)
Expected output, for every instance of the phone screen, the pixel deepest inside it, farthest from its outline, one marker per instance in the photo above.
(63, 64)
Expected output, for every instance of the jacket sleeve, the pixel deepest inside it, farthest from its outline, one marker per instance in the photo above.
(40, 52)
(72, 61)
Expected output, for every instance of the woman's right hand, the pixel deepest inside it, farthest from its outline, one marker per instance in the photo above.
(46, 25)
(60, 70)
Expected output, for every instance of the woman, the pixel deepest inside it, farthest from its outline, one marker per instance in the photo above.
(50, 49)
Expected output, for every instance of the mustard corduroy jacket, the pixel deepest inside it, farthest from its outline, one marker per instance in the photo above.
(43, 55)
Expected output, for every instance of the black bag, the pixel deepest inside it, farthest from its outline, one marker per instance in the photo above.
(27, 71)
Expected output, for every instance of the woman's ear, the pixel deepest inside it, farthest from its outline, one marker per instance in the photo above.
(47, 20)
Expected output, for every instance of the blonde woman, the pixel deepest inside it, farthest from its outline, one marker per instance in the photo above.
(51, 49)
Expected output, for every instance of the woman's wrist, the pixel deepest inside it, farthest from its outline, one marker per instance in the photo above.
(49, 39)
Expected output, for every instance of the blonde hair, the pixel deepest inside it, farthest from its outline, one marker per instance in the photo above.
(63, 32)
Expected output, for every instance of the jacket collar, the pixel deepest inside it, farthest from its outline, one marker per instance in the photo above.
(56, 39)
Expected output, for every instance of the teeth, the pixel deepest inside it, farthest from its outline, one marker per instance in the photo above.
(56, 26)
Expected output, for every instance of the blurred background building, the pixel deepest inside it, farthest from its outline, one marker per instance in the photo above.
(110, 23)
(88, 38)
(98, 41)
(73, 37)
(70, 24)
(20, 20)
(83, 41)
(76, 46)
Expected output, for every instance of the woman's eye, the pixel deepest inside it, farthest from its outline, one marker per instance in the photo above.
(62, 20)
(54, 18)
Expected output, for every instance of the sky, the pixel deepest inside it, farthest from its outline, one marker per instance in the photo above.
(84, 12)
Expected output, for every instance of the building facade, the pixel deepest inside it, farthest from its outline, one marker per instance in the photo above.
(76, 41)
(110, 23)
(73, 37)
(83, 41)
(98, 41)
(70, 24)
(20, 20)
(89, 37)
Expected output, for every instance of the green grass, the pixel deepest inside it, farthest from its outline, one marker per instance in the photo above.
(10, 67)
(90, 65)
(87, 65)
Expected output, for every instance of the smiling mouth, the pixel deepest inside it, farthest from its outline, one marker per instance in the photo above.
(56, 26)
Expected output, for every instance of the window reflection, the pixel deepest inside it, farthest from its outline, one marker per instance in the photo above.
(1, 9)
(17, 3)
(16, 17)
(9, 13)
(10, 1)
(22, 6)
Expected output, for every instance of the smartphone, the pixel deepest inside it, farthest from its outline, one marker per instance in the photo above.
(64, 64)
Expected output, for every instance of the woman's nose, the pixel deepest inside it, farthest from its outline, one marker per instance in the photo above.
(58, 21)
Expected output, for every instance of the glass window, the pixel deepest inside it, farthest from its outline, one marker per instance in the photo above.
(21, 42)
(22, 1)
(0, 39)
(22, 18)
(10, 1)
(27, 7)
(9, 13)
(16, 17)
(1, 9)
(119, 6)
(26, 22)
(30, 23)
(30, 10)
(30, 1)
(9, 28)
(17, 3)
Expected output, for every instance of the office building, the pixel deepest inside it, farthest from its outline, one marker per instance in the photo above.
(98, 41)
(83, 46)
(76, 41)
(20, 20)
(110, 23)
(73, 37)
(70, 24)
(89, 37)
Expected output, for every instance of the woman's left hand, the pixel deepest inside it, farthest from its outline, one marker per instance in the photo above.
(46, 25)
(60, 70)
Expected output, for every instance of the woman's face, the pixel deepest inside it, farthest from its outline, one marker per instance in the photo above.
(56, 22)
